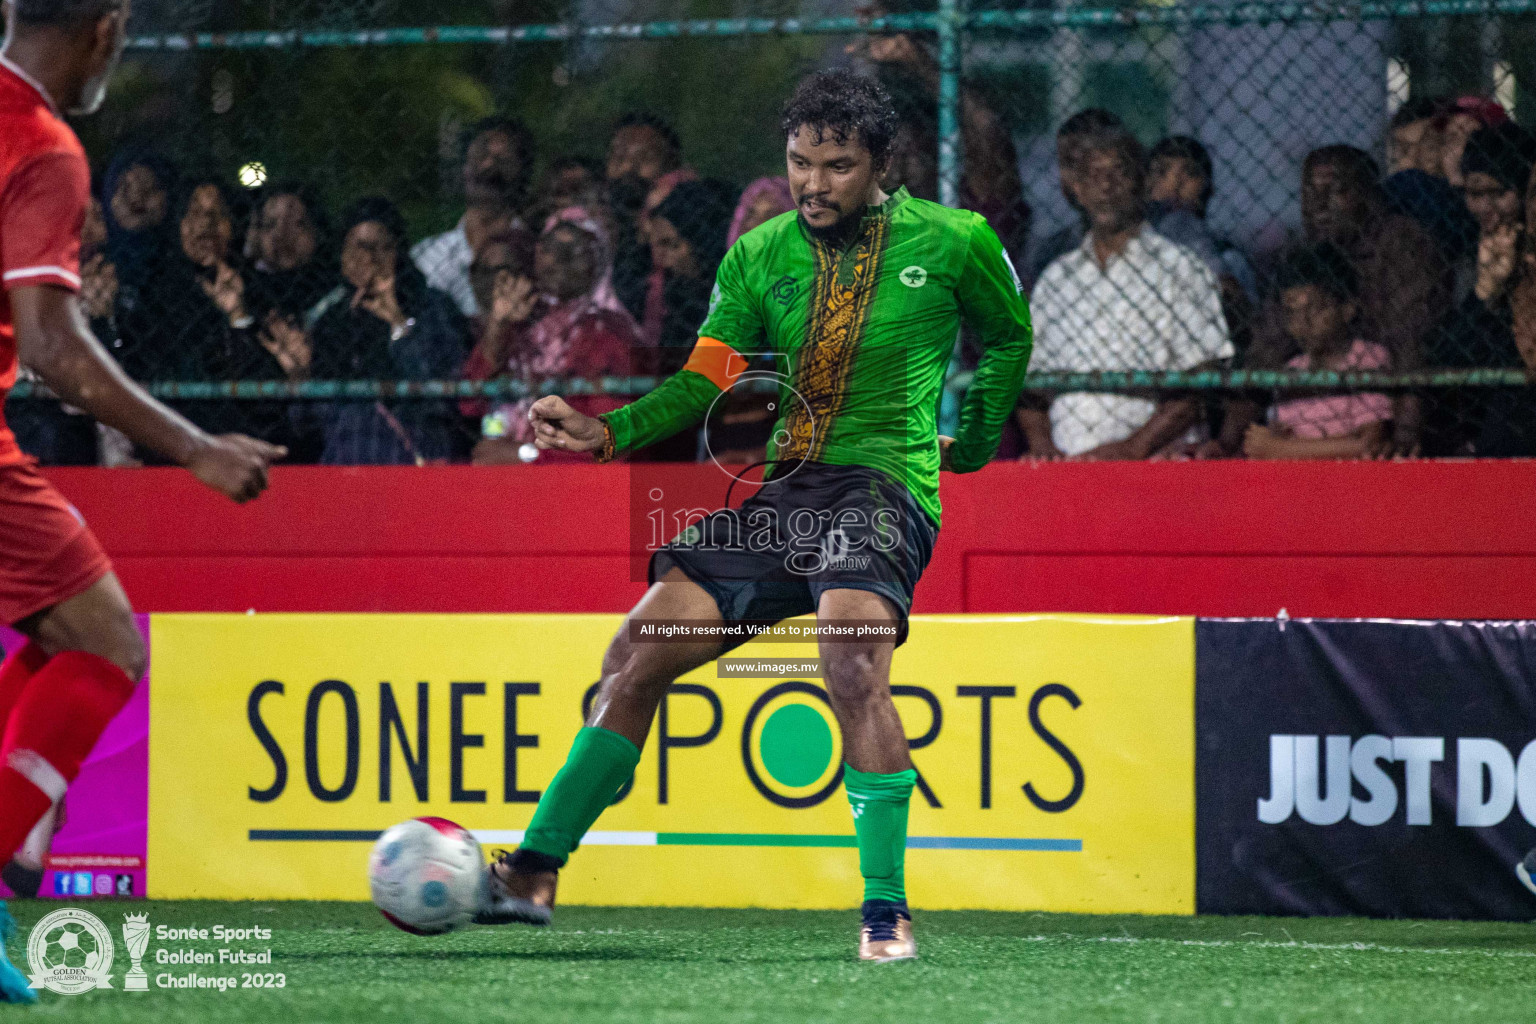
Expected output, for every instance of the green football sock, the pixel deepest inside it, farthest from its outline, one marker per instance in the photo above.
(880, 822)
(599, 764)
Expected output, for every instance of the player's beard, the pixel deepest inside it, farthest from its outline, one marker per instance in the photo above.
(838, 232)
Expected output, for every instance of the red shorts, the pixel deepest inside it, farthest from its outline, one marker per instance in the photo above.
(47, 554)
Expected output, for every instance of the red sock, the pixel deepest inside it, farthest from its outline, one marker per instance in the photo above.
(17, 671)
(60, 715)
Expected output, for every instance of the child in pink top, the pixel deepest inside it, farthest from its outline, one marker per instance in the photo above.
(1317, 295)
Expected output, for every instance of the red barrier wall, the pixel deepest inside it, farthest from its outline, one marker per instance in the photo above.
(1405, 540)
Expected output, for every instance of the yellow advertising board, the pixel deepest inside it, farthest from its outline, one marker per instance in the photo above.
(1056, 756)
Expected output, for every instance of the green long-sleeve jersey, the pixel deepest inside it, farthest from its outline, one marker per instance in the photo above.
(863, 336)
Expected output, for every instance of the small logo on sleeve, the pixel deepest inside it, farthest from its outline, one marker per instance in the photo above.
(784, 290)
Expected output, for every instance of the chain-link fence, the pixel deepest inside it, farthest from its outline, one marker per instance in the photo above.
(1279, 229)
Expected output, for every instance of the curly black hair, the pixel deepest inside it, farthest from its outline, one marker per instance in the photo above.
(844, 106)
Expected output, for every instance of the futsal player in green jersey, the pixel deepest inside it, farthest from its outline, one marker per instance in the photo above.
(859, 295)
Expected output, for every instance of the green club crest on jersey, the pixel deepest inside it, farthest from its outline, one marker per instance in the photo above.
(914, 277)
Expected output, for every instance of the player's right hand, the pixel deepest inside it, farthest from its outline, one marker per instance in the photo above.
(558, 427)
(235, 465)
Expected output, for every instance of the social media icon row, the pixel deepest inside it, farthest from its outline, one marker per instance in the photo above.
(86, 883)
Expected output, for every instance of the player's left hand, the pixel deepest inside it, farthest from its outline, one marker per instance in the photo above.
(945, 444)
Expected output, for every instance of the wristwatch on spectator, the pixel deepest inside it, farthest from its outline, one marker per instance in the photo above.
(399, 331)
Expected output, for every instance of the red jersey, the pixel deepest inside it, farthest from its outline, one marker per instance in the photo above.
(45, 189)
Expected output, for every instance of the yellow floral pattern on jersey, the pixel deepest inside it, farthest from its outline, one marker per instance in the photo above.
(843, 291)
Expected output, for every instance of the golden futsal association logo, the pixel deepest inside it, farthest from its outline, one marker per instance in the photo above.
(70, 951)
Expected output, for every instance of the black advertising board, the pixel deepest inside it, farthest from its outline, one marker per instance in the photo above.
(1368, 767)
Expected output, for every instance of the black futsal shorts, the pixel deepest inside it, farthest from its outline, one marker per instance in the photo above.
(811, 529)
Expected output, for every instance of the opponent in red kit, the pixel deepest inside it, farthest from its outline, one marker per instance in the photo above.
(57, 587)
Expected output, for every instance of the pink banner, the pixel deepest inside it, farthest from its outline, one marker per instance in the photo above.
(101, 849)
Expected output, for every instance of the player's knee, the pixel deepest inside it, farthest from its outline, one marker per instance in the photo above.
(118, 640)
(628, 676)
(125, 648)
(645, 677)
(103, 628)
(619, 653)
(853, 676)
(135, 657)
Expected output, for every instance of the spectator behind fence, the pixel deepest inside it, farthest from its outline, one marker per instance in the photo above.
(1465, 115)
(391, 325)
(505, 292)
(1405, 284)
(989, 181)
(290, 234)
(760, 202)
(1494, 326)
(292, 282)
(1416, 184)
(568, 181)
(136, 200)
(498, 165)
(652, 321)
(567, 322)
(1180, 183)
(195, 323)
(1317, 289)
(642, 149)
(1070, 138)
(1495, 167)
(1126, 299)
(188, 319)
(1416, 136)
(688, 231)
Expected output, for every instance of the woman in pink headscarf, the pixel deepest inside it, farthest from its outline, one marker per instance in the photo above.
(762, 201)
(567, 322)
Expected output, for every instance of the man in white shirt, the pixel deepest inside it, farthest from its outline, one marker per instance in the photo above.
(498, 163)
(1126, 299)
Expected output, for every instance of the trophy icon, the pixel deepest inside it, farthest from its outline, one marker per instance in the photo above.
(136, 938)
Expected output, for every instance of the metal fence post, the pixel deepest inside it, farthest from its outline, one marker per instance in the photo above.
(951, 24)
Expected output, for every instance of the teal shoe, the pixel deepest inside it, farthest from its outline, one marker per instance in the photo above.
(14, 987)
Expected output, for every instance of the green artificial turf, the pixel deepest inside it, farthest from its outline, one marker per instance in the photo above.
(342, 962)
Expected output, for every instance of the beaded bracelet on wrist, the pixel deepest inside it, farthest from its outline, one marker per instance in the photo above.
(608, 452)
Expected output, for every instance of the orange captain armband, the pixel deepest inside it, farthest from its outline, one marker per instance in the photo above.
(714, 359)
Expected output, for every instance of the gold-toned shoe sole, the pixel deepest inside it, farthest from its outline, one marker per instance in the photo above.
(888, 951)
(500, 905)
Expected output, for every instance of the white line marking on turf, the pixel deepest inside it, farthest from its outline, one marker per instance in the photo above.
(511, 837)
(1338, 947)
